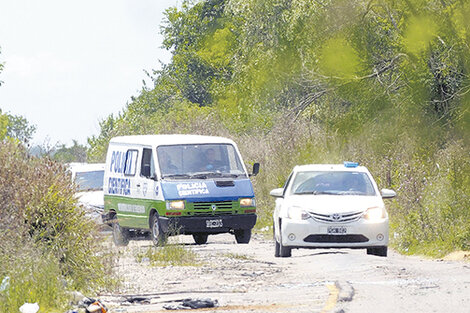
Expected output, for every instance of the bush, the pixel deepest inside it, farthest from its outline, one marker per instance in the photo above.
(47, 245)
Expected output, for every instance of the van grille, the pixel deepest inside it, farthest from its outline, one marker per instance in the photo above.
(337, 218)
(221, 208)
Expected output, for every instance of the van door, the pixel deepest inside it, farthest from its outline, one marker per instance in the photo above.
(146, 185)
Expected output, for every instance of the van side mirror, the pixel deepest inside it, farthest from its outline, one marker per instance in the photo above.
(255, 169)
(388, 193)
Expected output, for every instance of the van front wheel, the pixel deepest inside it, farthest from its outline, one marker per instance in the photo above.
(200, 238)
(243, 235)
(157, 234)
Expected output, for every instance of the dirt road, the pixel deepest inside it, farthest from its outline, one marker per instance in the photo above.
(247, 278)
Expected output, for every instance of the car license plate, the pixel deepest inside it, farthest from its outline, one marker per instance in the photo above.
(214, 223)
(336, 230)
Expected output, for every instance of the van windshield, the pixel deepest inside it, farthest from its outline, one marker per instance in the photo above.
(199, 161)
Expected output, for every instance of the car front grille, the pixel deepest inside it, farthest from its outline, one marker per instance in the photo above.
(338, 217)
(336, 238)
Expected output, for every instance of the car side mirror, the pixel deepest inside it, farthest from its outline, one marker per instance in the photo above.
(388, 193)
(277, 193)
(255, 169)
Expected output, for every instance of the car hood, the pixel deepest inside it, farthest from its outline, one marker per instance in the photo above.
(328, 204)
(91, 198)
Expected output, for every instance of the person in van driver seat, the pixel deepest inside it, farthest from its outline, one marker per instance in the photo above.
(210, 160)
(167, 166)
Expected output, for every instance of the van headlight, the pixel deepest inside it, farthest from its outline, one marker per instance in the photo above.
(247, 202)
(296, 213)
(375, 214)
(175, 205)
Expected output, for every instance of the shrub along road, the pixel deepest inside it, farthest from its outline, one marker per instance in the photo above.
(246, 278)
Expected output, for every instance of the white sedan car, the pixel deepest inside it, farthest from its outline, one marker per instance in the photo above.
(330, 206)
(88, 178)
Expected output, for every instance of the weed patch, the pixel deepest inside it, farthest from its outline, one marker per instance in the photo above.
(174, 254)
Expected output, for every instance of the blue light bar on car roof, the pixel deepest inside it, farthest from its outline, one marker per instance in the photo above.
(350, 164)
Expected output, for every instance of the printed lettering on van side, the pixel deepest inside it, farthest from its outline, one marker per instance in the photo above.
(119, 186)
(124, 207)
(192, 189)
(118, 165)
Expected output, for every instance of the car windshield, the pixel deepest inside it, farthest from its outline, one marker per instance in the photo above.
(332, 183)
(199, 161)
(89, 180)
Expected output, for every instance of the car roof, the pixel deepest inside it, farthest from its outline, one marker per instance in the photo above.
(330, 167)
(174, 139)
(85, 167)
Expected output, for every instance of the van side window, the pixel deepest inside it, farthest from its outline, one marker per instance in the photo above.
(147, 168)
(131, 162)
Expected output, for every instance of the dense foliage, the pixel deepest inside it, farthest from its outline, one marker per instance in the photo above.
(304, 81)
(47, 246)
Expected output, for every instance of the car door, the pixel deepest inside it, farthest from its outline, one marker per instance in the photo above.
(279, 207)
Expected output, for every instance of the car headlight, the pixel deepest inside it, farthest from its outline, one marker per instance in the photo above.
(175, 205)
(297, 213)
(375, 214)
(247, 202)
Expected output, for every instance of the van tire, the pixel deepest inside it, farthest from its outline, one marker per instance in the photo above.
(120, 234)
(243, 235)
(200, 238)
(156, 231)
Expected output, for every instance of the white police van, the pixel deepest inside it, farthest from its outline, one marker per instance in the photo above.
(161, 185)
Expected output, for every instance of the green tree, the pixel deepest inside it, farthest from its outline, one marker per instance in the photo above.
(19, 128)
(74, 153)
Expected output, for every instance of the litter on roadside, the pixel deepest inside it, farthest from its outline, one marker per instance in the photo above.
(5, 284)
(188, 304)
(96, 307)
(136, 300)
(90, 305)
(29, 308)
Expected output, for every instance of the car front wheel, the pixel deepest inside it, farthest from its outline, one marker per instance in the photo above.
(379, 251)
(279, 249)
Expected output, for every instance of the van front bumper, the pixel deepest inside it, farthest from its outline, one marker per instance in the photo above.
(207, 224)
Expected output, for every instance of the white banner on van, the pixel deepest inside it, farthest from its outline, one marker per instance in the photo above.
(124, 207)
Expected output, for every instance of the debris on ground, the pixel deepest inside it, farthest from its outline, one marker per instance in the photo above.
(5, 284)
(189, 303)
(96, 307)
(135, 300)
(89, 305)
(29, 308)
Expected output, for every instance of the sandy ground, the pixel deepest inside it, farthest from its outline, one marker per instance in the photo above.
(248, 278)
